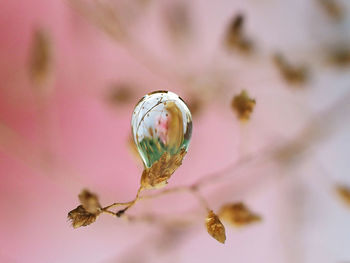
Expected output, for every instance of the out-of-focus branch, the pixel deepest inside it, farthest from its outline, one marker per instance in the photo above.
(110, 22)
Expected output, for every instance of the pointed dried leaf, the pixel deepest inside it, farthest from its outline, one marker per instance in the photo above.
(120, 93)
(243, 105)
(86, 213)
(89, 201)
(80, 217)
(344, 193)
(333, 9)
(292, 74)
(235, 37)
(215, 228)
(340, 56)
(40, 58)
(161, 170)
(238, 214)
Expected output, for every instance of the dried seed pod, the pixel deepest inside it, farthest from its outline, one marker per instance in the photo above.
(340, 57)
(40, 58)
(238, 214)
(161, 170)
(120, 93)
(161, 128)
(80, 217)
(215, 228)
(86, 213)
(344, 193)
(292, 74)
(243, 105)
(235, 37)
(333, 9)
(89, 201)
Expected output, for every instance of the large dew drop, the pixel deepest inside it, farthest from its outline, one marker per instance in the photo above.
(161, 122)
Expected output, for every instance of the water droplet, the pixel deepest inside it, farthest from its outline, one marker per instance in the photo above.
(167, 128)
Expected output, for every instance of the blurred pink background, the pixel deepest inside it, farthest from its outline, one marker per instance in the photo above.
(55, 142)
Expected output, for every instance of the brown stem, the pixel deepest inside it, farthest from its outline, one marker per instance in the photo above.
(201, 199)
(127, 204)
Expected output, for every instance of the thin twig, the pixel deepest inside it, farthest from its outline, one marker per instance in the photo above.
(129, 204)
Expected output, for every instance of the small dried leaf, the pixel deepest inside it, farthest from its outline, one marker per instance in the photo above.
(333, 9)
(243, 105)
(89, 201)
(235, 37)
(344, 193)
(161, 170)
(80, 217)
(236, 27)
(120, 94)
(292, 74)
(340, 57)
(215, 228)
(40, 58)
(86, 213)
(238, 214)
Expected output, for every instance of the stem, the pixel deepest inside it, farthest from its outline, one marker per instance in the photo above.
(193, 189)
(177, 189)
(116, 204)
(121, 212)
(201, 199)
(103, 210)
(127, 204)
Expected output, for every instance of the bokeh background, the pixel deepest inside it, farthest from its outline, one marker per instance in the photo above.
(65, 126)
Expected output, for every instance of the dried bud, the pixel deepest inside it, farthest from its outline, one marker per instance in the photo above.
(157, 175)
(235, 37)
(243, 105)
(340, 57)
(333, 9)
(292, 74)
(344, 193)
(215, 228)
(120, 94)
(89, 201)
(40, 58)
(80, 217)
(86, 213)
(237, 25)
(238, 214)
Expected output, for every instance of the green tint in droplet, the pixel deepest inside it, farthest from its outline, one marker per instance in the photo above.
(161, 122)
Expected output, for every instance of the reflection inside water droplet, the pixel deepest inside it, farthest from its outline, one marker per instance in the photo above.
(161, 122)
